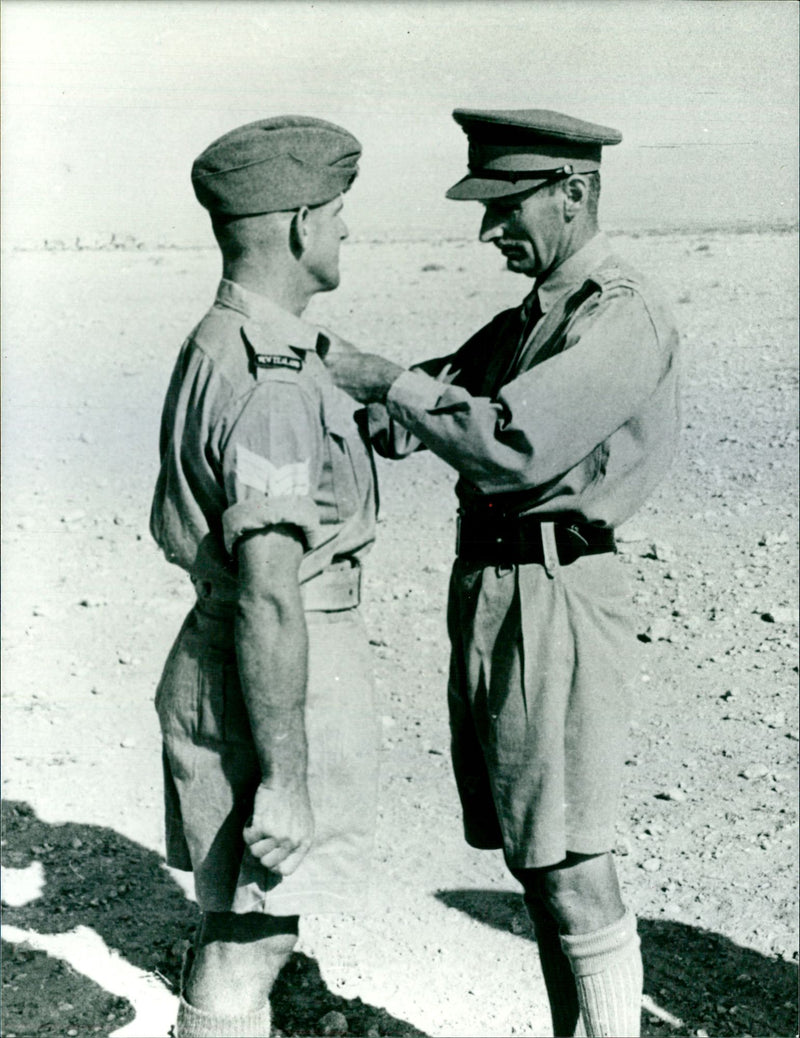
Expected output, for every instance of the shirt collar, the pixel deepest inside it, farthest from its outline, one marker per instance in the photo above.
(573, 271)
(284, 326)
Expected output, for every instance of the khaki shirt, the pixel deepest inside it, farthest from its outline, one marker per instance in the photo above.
(576, 420)
(254, 434)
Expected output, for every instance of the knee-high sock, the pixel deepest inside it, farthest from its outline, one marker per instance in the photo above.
(607, 965)
(197, 1023)
(558, 976)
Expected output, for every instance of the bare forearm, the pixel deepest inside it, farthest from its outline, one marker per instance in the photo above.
(272, 651)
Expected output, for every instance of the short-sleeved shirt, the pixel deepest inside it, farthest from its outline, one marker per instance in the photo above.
(572, 416)
(254, 434)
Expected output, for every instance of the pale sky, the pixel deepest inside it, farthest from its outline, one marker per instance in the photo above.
(106, 104)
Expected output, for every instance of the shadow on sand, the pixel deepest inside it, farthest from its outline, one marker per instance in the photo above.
(694, 974)
(98, 879)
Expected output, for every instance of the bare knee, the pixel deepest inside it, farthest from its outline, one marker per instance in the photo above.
(237, 959)
(581, 893)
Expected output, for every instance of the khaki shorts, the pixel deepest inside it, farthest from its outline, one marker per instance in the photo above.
(211, 771)
(539, 698)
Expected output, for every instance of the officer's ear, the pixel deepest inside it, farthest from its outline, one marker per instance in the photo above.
(299, 231)
(576, 191)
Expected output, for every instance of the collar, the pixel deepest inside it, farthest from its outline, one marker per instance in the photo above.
(573, 271)
(285, 328)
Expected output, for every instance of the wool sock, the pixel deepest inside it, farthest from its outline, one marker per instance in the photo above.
(558, 976)
(607, 965)
(197, 1023)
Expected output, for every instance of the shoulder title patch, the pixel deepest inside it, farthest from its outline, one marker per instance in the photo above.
(277, 360)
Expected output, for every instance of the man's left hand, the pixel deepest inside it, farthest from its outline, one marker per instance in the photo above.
(365, 376)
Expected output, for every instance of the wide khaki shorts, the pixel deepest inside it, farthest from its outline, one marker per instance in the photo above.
(539, 697)
(211, 771)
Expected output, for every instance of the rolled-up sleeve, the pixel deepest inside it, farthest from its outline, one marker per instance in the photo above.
(271, 460)
(548, 419)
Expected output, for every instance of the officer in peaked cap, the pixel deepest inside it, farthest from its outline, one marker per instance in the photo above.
(560, 417)
(266, 498)
(512, 152)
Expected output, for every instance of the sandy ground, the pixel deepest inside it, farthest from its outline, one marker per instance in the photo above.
(94, 925)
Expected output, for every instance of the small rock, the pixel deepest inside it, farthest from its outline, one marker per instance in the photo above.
(73, 517)
(773, 537)
(651, 865)
(675, 794)
(86, 437)
(127, 659)
(793, 735)
(333, 1023)
(92, 602)
(754, 771)
(373, 1032)
(178, 949)
(777, 720)
(520, 923)
(781, 615)
(128, 743)
(660, 630)
(23, 952)
(662, 552)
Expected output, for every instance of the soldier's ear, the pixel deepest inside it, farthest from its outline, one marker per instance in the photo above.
(299, 231)
(576, 191)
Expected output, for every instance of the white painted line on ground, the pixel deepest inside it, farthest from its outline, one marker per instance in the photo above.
(87, 952)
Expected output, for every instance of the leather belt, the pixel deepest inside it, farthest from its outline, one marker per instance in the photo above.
(517, 540)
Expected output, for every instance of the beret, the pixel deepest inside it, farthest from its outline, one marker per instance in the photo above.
(514, 150)
(275, 164)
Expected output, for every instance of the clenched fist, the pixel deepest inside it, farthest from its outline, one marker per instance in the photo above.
(281, 829)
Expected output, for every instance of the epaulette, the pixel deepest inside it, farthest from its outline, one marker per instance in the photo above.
(615, 275)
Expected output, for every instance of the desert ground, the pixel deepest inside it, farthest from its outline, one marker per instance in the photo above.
(94, 925)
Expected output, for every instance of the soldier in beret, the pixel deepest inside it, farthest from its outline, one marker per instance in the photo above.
(560, 417)
(266, 498)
